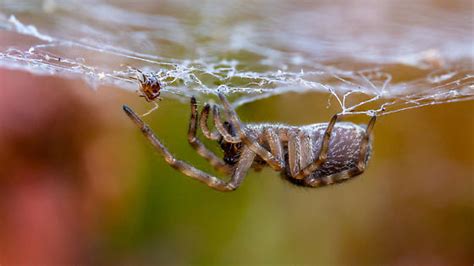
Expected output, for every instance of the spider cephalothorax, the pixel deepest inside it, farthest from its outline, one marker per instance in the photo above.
(311, 156)
(231, 150)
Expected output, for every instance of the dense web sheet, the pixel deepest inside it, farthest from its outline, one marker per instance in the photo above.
(365, 56)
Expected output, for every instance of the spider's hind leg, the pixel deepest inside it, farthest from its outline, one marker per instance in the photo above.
(323, 153)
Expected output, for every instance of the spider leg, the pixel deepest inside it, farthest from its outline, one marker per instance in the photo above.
(323, 153)
(204, 127)
(245, 162)
(306, 155)
(347, 174)
(274, 142)
(294, 152)
(215, 161)
(249, 140)
(220, 127)
(152, 109)
(216, 183)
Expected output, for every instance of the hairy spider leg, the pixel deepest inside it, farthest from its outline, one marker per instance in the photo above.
(274, 142)
(220, 127)
(248, 140)
(212, 158)
(294, 152)
(347, 174)
(214, 135)
(306, 154)
(323, 152)
(216, 183)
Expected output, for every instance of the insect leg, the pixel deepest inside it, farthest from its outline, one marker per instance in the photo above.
(215, 161)
(183, 167)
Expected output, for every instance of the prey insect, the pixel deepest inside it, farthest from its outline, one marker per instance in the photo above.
(149, 88)
(310, 156)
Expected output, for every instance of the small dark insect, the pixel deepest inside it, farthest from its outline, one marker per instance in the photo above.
(149, 88)
(311, 156)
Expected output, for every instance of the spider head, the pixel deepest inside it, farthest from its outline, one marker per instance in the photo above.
(231, 150)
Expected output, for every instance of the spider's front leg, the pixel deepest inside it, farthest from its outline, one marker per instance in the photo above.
(215, 161)
(212, 135)
(247, 139)
(240, 170)
(221, 128)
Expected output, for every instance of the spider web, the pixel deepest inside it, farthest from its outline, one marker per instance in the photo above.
(367, 57)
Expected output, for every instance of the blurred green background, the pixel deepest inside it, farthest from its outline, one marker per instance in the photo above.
(79, 184)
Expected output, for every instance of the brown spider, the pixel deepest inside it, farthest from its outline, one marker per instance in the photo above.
(311, 156)
(149, 87)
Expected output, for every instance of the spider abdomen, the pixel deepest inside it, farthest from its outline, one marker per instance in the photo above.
(302, 145)
(344, 149)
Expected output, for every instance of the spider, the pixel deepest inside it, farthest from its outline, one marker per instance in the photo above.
(149, 87)
(313, 155)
